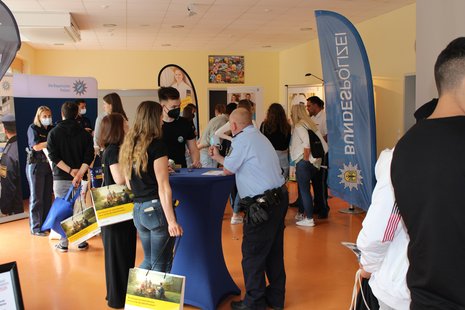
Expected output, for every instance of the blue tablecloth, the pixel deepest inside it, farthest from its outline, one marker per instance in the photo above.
(199, 256)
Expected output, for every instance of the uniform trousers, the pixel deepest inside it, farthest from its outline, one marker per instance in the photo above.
(119, 244)
(40, 178)
(263, 255)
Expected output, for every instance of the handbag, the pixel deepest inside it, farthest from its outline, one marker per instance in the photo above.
(96, 173)
(364, 299)
(61, 209)
(148, 289)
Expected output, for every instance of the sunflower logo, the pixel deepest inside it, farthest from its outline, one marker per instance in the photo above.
(350, 176)
(79, 87)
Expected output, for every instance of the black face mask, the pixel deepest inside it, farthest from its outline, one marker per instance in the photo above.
(174, 113)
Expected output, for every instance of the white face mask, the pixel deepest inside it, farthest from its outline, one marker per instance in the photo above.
(83, 111)
(46, 121)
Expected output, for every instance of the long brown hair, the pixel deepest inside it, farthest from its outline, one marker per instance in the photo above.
(146, 128)
(114, 100)
(111, 130)
(276, 120)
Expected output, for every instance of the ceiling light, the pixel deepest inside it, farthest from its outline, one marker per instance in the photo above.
(266, 46)
(104, 6)
(177, 26)
(191, 11)
(166, 44)
(109, 25)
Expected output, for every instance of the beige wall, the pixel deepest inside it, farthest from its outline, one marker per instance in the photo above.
(389, 40)
(139, 70)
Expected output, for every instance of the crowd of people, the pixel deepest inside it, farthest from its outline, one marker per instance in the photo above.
(405, 248)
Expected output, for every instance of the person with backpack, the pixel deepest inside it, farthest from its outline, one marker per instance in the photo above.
(307, 150)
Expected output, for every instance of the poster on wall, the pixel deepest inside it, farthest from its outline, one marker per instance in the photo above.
(252, 93)
(177, 77)
(298, 94)
(226, 69)
(32, 91)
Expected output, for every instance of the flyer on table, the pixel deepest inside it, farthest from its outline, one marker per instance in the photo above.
(113, 204)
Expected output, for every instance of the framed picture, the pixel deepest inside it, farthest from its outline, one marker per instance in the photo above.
(10, 289)
(226, 69)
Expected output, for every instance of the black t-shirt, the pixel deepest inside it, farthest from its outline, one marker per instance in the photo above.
(175, 136)
(428, 176)
(109, 157)
(279, 140)
(145, 187)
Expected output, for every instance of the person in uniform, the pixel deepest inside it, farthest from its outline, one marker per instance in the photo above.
(265, 198)
(11, 201)
(177, 131)
(38, 170)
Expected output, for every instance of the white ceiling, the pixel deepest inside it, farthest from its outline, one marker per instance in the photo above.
(254, 25)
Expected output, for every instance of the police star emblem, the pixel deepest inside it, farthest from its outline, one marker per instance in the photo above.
(350, 176)
(79, 87)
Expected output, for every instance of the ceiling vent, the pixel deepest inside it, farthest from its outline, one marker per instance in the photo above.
(47, 27)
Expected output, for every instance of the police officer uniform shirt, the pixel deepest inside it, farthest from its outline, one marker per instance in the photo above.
(255, 163)
(35, 135)
(175, 136)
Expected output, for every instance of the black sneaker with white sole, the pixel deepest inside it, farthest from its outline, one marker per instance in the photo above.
(83, 246)
(61, 248)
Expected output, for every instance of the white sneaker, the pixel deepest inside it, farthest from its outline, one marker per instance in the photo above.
(299, 216)
(306, 222)
(237, 220)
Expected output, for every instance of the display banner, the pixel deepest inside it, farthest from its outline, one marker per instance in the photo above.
(349, 109)
(81, 226)
(10, 42)
(32, 91)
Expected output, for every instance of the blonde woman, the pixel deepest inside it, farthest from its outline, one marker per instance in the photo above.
(38, 172)
(306, 166)
(144, 160)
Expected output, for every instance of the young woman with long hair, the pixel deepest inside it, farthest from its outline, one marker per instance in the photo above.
(144, 159)
(119, 240)
(306, 165)
(278, 130)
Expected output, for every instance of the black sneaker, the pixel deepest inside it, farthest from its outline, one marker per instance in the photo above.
(239, 305)
(61, 248)
(40, 234)
(83, 246)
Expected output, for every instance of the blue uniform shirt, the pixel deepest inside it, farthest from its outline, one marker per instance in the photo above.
(255, 163)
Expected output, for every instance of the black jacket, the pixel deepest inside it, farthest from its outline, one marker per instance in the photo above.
(70, 143)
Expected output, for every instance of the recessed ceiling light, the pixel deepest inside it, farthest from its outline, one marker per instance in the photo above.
(58, 44)
(177, 26)
(306, 28)
(166, 44)
(266, 46)
(109, 25)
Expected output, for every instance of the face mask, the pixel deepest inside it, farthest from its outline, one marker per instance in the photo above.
(83, 111)
(46, 121)
(174, 113)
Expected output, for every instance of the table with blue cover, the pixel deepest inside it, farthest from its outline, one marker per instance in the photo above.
(199, 256)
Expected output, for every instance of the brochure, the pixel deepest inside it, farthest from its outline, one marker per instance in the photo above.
(113, 204)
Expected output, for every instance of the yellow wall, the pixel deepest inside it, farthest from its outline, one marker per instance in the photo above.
(27, 55)
(389, 40)
(139, 69)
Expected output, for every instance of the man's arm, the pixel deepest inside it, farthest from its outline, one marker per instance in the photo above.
(195, 154)
(215, 154)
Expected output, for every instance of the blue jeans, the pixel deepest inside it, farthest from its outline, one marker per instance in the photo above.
(152, 227)
(304, 173)
(283, 157)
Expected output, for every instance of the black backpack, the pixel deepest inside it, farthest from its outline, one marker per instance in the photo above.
(316, 147)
